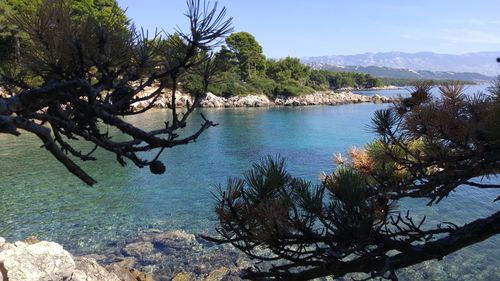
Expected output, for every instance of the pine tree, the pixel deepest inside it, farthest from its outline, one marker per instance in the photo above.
(427, 147)
(80, 70)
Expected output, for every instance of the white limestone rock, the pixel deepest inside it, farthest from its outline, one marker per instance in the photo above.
(40, 261)
(87, 269)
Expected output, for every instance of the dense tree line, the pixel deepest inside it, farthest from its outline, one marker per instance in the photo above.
(335, 80)
(245, 70)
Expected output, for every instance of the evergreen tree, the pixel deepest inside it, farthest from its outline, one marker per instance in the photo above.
(251, 60)
(427, 147)
(12, 38)
(82, 69)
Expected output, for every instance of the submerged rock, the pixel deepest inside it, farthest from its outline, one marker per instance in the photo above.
(184, 276)
(138, 249)
(178, 255)
(218, 274)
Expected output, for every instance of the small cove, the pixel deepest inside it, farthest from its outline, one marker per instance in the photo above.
(39, 197)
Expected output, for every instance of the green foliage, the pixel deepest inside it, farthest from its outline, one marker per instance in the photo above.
(288, 69)
(14, 41)
(292, 88)
(192, 83)
(350, 205)
(106, 10)
(327, 79)
(10, 34)
(246, 71)
(229, 84)
(263, 85)
(226, 60)
(248, 52)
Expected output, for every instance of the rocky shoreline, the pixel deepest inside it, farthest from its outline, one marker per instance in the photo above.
(152, 255)
(257, 100)
(34, 260)
(212, 101)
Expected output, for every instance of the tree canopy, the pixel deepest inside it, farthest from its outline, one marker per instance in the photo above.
(80, 71)
(245, 70)
(12, 37)
(427, 147)
(248, 53)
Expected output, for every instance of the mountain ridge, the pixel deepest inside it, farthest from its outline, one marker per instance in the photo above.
(477, 62)
(398, 73)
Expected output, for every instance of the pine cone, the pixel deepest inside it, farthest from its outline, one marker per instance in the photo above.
(157, 167)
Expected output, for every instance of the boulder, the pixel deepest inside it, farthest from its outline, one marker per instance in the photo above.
(32, 260)
(39, 261)
(87, 269)
(211, 100)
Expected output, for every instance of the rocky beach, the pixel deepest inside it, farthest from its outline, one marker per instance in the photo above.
(258, 100)
(152, 255)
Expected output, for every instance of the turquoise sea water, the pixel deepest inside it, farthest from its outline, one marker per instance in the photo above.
(39, 197)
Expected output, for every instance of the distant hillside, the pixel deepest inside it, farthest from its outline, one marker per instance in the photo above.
(481, 62)
(386, 72)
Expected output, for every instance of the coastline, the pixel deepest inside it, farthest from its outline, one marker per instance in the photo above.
(346, 96)
(259, 100)
(390, 87)
(151, 255)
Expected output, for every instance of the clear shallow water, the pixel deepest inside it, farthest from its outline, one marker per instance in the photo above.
(39, 197)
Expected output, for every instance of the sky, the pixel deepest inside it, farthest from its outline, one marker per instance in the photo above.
(345, 27)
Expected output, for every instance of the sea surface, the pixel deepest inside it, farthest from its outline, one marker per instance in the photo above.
(39, 197)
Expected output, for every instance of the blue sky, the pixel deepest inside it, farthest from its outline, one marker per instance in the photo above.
(335, 27)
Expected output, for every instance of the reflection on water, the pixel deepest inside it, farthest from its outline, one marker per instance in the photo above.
(39, 197)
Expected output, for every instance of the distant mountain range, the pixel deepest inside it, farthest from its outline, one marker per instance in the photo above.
(476, 66)
(386, 72)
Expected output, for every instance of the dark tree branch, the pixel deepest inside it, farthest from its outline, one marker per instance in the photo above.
(427, 147)
(96, 76)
